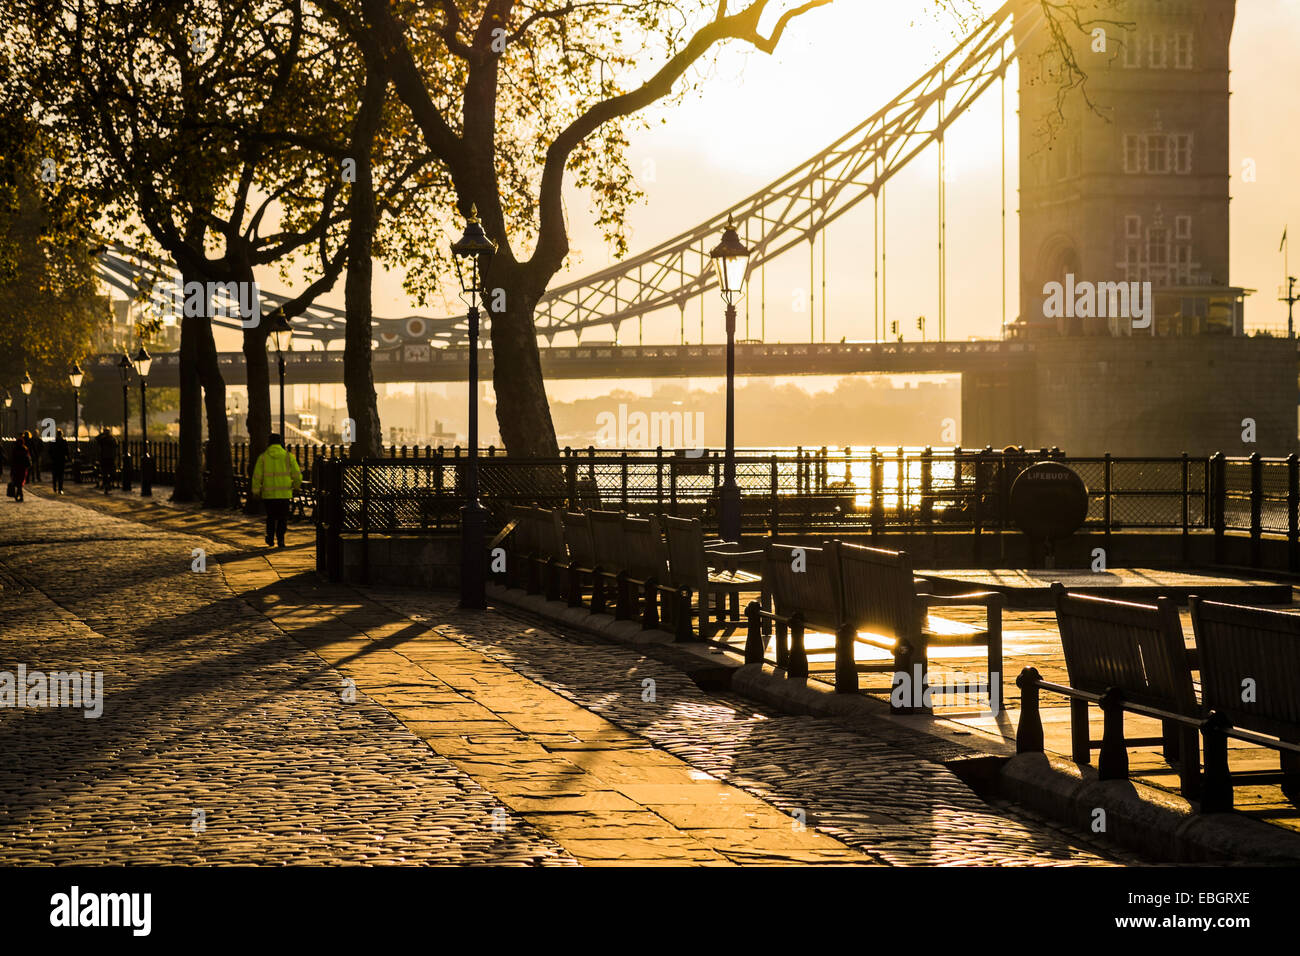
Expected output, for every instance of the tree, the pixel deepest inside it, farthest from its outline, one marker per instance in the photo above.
(48, 293)
(509, 97)
(168, 107)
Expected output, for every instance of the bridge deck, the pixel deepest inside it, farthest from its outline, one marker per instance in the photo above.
(422, 363)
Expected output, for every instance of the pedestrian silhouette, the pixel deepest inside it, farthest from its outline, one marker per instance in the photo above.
(58, 461)
(35, 446)
(20, 462)
(276, 477)
(107, 446)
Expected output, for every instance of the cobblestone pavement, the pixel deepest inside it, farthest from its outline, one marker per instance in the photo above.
(868, 793)
(208, 709)
(561, 729)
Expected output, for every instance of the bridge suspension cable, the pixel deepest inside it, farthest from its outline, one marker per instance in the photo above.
(789, 210)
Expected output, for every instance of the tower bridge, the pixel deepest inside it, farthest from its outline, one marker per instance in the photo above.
(1134, 191)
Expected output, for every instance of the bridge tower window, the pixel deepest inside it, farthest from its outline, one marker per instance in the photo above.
(1158, 48)
(1182, 149)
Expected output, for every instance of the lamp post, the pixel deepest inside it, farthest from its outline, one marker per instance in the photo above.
(143, 360)
(282, 334)
(472, 254)
(124, 368)
(26, 386)
(731, 259)
(9, 403)
(75, 377)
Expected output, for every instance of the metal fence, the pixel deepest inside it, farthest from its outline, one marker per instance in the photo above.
(815, 492)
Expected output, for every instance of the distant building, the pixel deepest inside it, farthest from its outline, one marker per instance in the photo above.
(1137, 190)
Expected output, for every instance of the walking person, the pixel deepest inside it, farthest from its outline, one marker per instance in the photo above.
(276, 477)
(35, 446)
(107, 446)
(58, 461)
(20, 463)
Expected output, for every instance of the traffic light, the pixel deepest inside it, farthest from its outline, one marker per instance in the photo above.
(920, 322)
(893, 327)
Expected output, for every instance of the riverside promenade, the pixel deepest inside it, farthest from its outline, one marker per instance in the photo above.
(253, 714)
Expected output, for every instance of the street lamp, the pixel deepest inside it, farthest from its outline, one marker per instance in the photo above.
(26, 386)
(9, 401)
(143, 360)
(731, 259)
(75, 377)
(282, 335)
(472, 254)
(124, 368)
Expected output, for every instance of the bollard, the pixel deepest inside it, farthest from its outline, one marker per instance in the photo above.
(1029, 733)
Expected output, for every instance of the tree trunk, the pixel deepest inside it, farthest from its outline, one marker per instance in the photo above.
(189, 463)
(257, 366)
(259, 422)
(523, 413)
(218, 488)
(358, 372)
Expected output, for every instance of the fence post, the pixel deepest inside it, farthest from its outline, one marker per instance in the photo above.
(1187, 508)
(1256, 506)
(1219, 473)
(1216, 790)
(623, 458)
(1106, 488)
(978, 517)
(1029, 732)
(877, 492)
(672, 485)
(927, 472)
(901, 491)
(365, 521)
(846, 670)
(755, 646)
(1292, 512)
(336, 520)
(1112, 762)
(659, 478)
(776, 499)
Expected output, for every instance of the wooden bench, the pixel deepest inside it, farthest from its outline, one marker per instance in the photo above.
(799, 588)
(631, 557)
(581, 558)
(879, 599)
(711, 570)
(537, 547)
(1122, 657)
(1250, 687)
(609, 550)
(868, 596)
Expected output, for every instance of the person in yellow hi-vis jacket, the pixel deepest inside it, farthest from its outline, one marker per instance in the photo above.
(276, 477)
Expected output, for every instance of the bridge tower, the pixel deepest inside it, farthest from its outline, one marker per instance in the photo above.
(1132, 186)
(1126, 181)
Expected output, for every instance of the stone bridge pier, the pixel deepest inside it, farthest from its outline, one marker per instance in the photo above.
(1139, 396)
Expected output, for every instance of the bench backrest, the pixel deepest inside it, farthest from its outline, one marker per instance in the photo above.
(876, 592)
(1239, 644)
(686, 559)
(802, 579)
(549, 531)
(607, 539)
(645, 556)
(1137, 648)
(577, 535)
(524, 538)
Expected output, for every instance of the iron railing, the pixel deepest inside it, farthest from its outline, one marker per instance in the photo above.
(797, 491)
